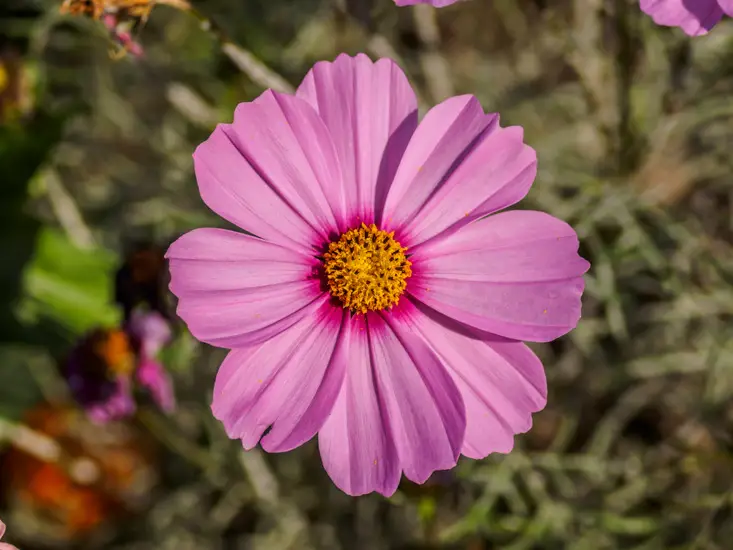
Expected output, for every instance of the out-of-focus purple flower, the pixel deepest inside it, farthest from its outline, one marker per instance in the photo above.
(105, 366)
(98, 370)
(694, 17)
(119, 404)
(5, 545)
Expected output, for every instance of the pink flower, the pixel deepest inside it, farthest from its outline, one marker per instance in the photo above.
(123, 37)
(152, 333)
(120, 403)
(4, 545)
(151, 330)
(435, 367)
(695, 17)
(436, 3)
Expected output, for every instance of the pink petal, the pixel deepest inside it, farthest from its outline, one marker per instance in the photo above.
(356, 444)
(4, 545)
(436, 3)
(502, 383)
(398, 410)
(446, 132)
(288, 384)
(120, 404)
(459, 167)
(695, 17)
(235, 290)
(371, 112)
(515, 274)
(269, 172)
(151, 329)
(152, 376)
(289, 147)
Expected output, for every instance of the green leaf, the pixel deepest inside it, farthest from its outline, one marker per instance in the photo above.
(18, 389)
(68, 285)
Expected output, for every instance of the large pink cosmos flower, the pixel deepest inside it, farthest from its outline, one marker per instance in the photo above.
(436, 3)
(376, 306)
(694, 17)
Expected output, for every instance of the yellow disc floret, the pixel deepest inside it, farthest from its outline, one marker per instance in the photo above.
(366, 269)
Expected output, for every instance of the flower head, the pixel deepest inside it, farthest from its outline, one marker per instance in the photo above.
(120, 31)
(694, 17)
(377, 306)
(103, 369)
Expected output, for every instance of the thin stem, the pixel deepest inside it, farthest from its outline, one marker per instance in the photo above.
(434, 65)
(244, 59)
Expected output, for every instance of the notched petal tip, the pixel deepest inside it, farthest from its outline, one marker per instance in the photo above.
(280, 392)
(398, 412)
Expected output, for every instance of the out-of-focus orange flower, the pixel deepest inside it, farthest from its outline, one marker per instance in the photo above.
(49, 488)
(96, 8)
(115, 348)
(104, 473)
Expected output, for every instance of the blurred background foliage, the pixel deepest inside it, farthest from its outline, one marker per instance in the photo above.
(634, 128)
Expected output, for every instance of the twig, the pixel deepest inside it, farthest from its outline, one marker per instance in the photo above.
(605, 66)
(67, 212)
(263, 480)
(434, 65)
(191, 105)
(177, 443)
(34, 443)
(255, 69)
(245, 60)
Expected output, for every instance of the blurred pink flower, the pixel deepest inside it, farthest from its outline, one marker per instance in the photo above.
(105, 365)
(152, 332)
(152, 376)
(119, 403)
(376, 306)
(123, 37)
(4, 545)
(694, 17)
(436, 3)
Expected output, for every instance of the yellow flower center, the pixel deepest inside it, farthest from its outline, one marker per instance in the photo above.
(366, 269)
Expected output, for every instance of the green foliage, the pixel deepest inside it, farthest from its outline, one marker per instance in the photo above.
(69, 285)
